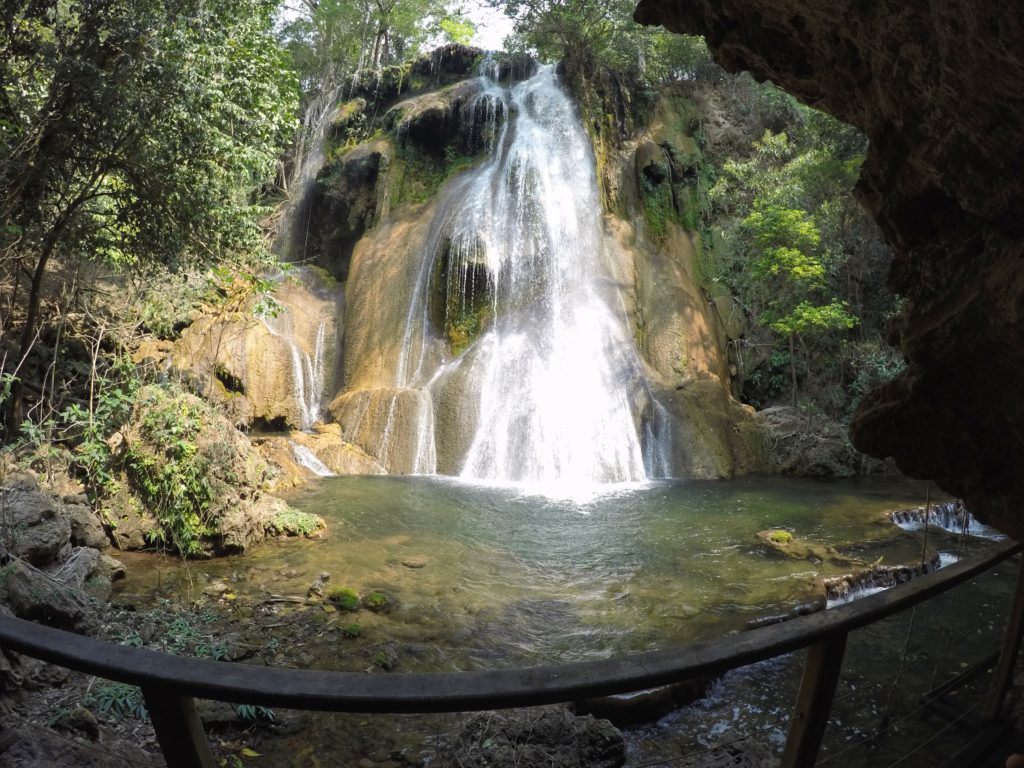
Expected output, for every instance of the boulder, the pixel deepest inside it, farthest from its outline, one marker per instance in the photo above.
(221, 462)
(86, 528)
(38, 528)
(813, 446)
(37, 596)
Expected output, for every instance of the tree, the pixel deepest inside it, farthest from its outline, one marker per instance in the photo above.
(784, 241)
(602, 33)
(134, 132)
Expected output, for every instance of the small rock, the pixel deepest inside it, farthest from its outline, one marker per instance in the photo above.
(319, 585)
(216, 588)
(416, 561)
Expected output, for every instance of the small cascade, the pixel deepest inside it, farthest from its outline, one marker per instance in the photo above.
(514, 301)
(950, 516)
(306, 458)
(307, 367)
(844, 589)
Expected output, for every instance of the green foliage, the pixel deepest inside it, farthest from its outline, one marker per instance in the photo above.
(345, 598)
(351, 630)
(254, 713)
(780, 537)
(118, 701)
(135, 133)
(90, 430)
(798, 251)
(293, 522)
(601, 33)
(457, 29)
(330, 40)
(169, 471)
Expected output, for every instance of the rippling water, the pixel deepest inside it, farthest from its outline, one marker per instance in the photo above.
(511, 576)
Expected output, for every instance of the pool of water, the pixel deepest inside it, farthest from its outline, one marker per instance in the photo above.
(509, 576)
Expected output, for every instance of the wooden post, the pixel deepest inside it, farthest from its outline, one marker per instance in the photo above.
(178, 728)
(817, 689)
(1002, 675)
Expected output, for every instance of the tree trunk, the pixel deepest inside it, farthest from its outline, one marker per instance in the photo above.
(16, 405)
(792, 365)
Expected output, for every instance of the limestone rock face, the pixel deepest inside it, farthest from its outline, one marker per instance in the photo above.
(266, 369)
(939, 89)
(679, 332)
(343, 205)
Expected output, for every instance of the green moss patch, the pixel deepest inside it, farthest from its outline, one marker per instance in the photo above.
(345, 598)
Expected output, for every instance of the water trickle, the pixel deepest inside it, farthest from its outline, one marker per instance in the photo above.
(306, 458)
(516, 284)
(307, 368)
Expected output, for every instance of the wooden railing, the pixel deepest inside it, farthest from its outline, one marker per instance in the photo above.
(170, 684)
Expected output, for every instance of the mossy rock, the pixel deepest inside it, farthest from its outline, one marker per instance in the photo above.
(346, 598)
(378, 602)
(780, 537)
(352, 630)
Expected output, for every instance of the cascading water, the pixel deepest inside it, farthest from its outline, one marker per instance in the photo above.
(307, 369)
(306, 458)
(554, 385)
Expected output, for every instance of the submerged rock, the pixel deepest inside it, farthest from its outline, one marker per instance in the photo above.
(553, 738)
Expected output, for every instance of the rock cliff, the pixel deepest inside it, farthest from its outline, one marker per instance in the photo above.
(939, 90)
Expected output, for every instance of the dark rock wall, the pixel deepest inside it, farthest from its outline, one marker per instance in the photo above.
(939, 89)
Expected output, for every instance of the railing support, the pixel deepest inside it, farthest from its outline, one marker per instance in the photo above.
(817, 689)
(1002, 675)
(178, 728)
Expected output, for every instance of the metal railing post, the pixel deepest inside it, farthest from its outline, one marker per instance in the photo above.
(822, 665)
(178, 728)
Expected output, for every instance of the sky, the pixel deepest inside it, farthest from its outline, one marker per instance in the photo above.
(492, 26)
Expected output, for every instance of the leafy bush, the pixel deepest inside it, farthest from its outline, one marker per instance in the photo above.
(169, 471)
(119, 701)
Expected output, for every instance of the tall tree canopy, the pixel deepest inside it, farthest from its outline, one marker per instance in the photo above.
(135, 132)
(602, 33)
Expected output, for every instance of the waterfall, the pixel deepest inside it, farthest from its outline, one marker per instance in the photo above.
(516, 279)
(307, 369)
(306, 458)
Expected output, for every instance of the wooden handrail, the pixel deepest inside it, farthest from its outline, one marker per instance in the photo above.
(181, 678)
